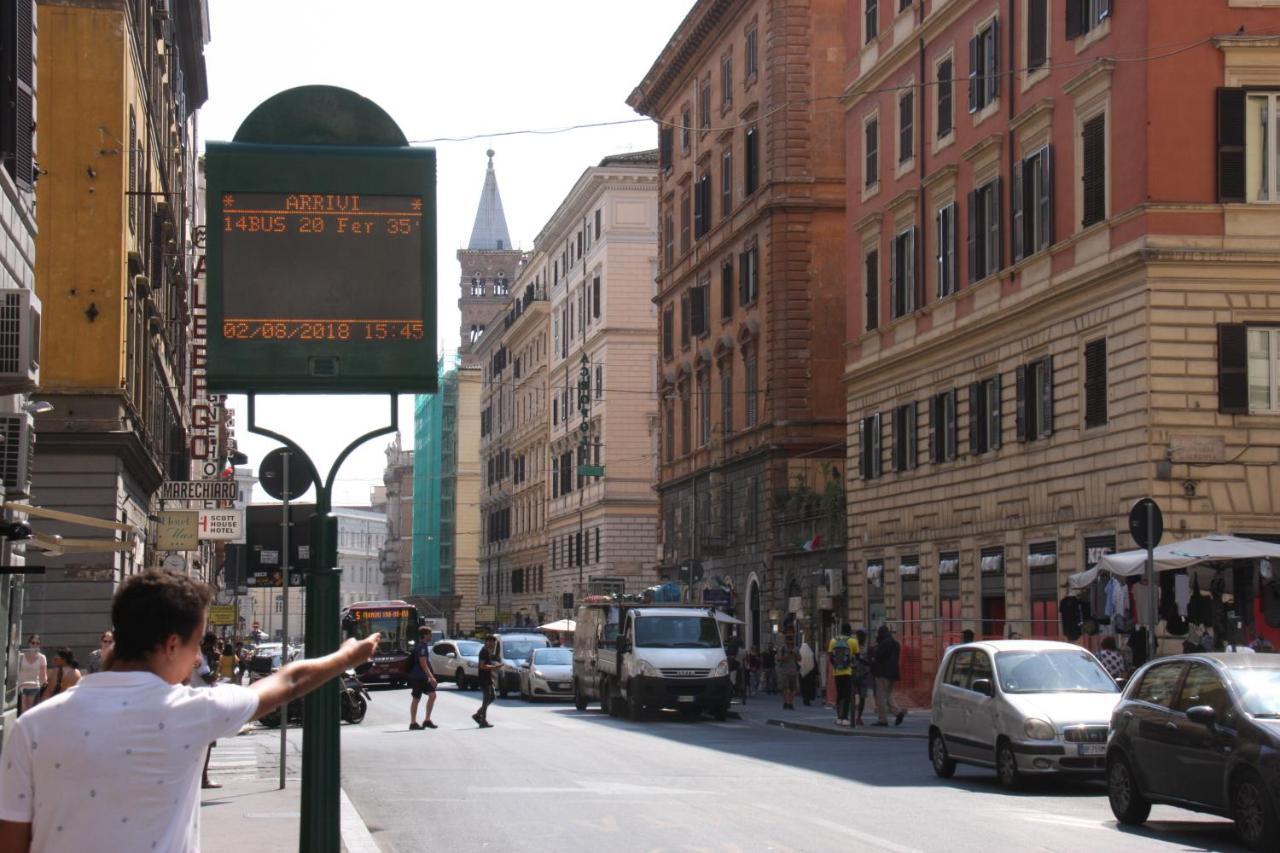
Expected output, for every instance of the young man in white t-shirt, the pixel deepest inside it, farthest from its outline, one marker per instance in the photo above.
(114, 763)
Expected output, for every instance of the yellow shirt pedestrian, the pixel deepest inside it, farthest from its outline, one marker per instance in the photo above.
(852, 644)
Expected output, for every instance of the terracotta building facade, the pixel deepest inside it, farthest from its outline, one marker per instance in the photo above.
(1062, 296)
(750, 296)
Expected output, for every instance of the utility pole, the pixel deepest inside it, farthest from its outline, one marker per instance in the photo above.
(284, 574)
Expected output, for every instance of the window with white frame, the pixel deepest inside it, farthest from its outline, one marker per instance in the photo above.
(1086, 15)
(945, 250)
(871, 20)
(871, 151)
(906, 126)
(1032, 201)
(904, 437)
(902, 269)
(726, 80)
(1263, 369)
(869, 450)
(704, 409)
(1261, 147)
(984, 67)
(751, 367)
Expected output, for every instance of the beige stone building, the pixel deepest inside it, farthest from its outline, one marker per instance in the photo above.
(397, 500)
(1115, 336)
(600, 251)
(512, 357)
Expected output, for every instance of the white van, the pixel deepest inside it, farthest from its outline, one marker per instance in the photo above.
(633, 657)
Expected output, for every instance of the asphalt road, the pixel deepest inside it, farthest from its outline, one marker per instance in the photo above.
(548, 778)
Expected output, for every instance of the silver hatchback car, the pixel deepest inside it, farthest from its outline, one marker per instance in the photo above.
(1023, 707)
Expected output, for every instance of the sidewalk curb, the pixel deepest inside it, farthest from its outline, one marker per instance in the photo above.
(356, 837)
(824, 730)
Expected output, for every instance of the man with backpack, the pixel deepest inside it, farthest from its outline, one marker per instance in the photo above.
(840, 652)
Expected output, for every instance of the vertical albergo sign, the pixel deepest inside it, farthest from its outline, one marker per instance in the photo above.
(321, 253)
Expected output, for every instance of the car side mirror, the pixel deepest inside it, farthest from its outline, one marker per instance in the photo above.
(983, 686)
(1202, 714)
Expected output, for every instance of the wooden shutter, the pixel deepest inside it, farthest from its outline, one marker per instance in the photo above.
(1045, 201)
(895, 306)
(1021, 417)
(1233, 370)
(1095, 382)
(974, 80)
(864, 451)
(873, 289)
(726, 291)
(17, 116)
(743, 261)
(971, 234)
(935, 429)
(949, 425)
(697, 311)
(1046, 396)
(911, 426)
(995, 259)
(1231, 159)
(595, 297)
(994, 400)
(1075, 18)
(1037, 33)
(665, 141)
(993, 63)
(1020, 187)
(977, 418)
(945, 88)
(1094, 177)
(914, 291)
(699, 211)
(939, 254)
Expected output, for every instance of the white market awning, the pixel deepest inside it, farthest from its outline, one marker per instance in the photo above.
(564, 625)
(1180, 555)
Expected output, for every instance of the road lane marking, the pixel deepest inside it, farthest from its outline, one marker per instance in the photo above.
(867, 838)
(1064, 820)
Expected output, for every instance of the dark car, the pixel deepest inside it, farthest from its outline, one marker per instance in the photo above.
(1201, 732)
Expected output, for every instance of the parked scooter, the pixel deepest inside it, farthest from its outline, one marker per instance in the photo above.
(353, 697)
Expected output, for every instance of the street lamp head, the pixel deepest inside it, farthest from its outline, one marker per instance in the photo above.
(37, 407)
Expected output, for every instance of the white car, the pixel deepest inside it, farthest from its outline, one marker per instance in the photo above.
(457, 661)
(1022, 707)
(548, 673)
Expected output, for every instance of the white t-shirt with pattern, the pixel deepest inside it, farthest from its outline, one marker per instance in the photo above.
(114, 763)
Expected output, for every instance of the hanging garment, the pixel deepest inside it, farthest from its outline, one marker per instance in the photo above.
(1199, 607)
(1069, 613)
(1181, 592)
(1138, 647)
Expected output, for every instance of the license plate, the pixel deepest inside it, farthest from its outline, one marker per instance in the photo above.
(1092, 749)
(686, 699)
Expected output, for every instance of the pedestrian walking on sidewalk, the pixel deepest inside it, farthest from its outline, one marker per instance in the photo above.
(33, 674)
(840, 651)
(770, 664)
(115, 763)
(885, 669)
(808, 673)
(788, 665)
(99, 655)
(488, 662)
(753, 669)
(422, 680)
(862, 681)
(65, 675)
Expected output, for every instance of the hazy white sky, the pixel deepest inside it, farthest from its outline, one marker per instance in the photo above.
(441, 69)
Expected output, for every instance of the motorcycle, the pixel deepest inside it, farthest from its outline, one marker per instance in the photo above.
(353, 697)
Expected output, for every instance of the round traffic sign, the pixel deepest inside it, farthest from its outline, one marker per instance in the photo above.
(271, 474)
(1146, 523)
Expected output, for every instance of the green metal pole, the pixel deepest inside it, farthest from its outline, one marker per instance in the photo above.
(321, 757)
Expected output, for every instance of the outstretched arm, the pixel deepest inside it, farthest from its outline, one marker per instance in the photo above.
(299, 678)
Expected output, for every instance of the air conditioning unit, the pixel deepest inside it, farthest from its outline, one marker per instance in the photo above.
(835, 581)
(19, 341)
(17, 446)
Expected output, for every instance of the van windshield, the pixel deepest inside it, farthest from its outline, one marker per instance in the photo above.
(677, 632)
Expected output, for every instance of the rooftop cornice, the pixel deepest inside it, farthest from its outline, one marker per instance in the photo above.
(688, 39)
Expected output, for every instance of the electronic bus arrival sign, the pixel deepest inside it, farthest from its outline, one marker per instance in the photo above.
(321, 251)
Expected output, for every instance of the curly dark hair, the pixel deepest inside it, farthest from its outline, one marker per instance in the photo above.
(152, 606)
